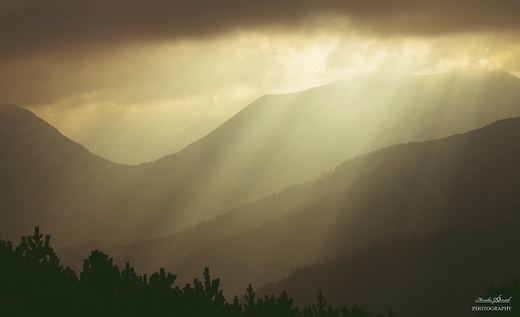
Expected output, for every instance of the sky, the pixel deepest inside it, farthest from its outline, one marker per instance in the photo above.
(134, 80)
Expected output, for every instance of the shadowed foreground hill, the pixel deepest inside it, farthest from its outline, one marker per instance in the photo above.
(461, 182)
(273, 143)
(440, 274)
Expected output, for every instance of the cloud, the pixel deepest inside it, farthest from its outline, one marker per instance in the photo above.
(138, 52)
(426, 55)
(28, 26)
(140, 74)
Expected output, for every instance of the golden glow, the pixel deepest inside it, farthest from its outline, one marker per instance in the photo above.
(152, 99)
(142, 86)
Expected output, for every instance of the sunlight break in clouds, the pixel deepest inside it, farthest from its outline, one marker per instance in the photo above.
(177, 84)
(190, 65)
(183, 90)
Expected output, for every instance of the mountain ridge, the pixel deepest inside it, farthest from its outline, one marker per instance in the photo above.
(462, 181)
(342, 230)
(276, 141)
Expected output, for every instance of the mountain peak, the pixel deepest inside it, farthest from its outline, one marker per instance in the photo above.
(10, 109)
(26, 136)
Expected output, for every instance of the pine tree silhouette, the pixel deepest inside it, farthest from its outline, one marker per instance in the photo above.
(32, 283)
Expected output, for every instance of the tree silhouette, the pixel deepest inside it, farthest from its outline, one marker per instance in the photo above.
(31, 280)
(32, 283)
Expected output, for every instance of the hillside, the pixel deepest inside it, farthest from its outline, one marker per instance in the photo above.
(280, 140)
(439, 274)
(462, 182)
(48, 179)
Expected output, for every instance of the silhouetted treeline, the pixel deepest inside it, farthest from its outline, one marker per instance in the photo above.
(32, 283)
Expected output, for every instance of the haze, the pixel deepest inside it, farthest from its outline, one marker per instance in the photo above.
(368, 149)
(150, 77)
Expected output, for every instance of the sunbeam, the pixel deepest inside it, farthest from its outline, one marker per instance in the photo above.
(365, 151)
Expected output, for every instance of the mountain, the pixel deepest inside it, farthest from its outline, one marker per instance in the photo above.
(462, 183)
(38, 166)
(280, 140)
(276, 141)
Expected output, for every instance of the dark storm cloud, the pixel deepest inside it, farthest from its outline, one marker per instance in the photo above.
(34, 25)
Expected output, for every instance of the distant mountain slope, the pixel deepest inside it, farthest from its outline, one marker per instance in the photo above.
(273, 143)
(464, 181)
(280, 140)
